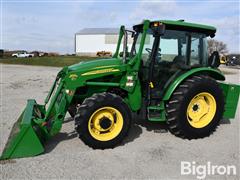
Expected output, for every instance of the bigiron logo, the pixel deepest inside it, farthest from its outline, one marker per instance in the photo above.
(208, 169)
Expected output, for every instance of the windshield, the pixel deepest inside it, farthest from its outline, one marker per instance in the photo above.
(147, 44)
(127, 42)
(131, 41)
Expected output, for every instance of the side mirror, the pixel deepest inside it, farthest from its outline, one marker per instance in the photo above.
(212, 35)
(214, 60)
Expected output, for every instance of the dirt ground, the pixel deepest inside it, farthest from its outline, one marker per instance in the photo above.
(149, 151)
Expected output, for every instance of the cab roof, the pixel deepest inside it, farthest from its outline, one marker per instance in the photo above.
(187, 26)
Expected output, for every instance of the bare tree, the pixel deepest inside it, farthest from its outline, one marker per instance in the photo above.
(214, 45)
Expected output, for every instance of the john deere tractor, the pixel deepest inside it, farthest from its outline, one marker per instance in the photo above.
(161, 70)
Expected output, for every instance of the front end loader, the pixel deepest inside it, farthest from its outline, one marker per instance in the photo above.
(167, 76)
(36, 124)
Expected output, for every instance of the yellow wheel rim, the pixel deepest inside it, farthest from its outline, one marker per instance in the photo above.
(105, 124)
(201, 110)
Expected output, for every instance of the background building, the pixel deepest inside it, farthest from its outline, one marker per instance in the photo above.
(89, 41)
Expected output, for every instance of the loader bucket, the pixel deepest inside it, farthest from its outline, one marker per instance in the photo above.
(26, 137)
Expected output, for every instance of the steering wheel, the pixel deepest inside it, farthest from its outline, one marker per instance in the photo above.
(148, 50)
(158, 53)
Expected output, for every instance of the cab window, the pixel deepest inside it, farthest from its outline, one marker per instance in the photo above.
(198, 49)
(173, 46)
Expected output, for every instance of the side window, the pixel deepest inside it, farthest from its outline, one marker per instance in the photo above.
(168, 49)
(183, 49)
(195, 51)
(198, 49)
(173, 46)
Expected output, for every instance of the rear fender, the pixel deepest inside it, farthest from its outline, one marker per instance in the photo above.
(214, 73)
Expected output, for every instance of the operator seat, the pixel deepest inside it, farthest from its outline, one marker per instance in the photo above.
(179, 59)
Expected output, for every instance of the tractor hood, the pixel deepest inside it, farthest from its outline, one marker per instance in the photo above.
(95, 64)
(78, 74)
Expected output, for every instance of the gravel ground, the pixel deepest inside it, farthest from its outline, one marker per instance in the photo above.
(148, 152)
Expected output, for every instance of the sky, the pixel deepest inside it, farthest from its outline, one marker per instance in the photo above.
(50, 25)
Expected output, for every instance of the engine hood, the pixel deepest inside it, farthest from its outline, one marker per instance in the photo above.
(95, 64)
(86, 70)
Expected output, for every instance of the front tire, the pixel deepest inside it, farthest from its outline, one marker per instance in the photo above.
(103, 120)
(195, 108)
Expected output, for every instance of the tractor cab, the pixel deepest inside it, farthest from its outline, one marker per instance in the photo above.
(169, 42)
(167, 49)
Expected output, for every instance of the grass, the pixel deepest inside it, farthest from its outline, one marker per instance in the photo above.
(57, 61)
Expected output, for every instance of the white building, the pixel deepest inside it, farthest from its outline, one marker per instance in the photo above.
(89, 41)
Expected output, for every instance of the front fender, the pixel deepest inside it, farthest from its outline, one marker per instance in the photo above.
(214, 73)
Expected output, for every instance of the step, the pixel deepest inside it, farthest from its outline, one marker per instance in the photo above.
(154, 113)
(156, 119)
(155, 108)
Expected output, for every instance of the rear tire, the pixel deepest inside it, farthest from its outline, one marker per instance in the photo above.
(195, 108)
(103, 120)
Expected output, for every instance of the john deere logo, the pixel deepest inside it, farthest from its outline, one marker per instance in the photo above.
(73, 76)
(100, 71)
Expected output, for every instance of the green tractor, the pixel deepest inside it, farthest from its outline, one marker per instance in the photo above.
(161, 71)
